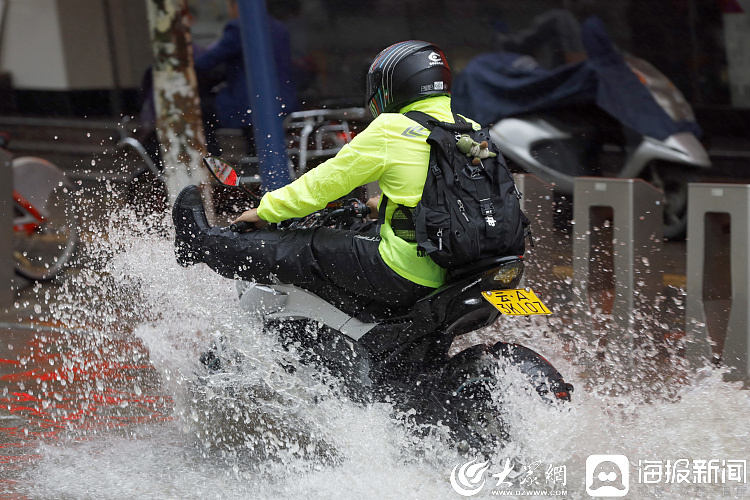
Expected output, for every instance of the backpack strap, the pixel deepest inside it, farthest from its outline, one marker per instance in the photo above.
(423, 119)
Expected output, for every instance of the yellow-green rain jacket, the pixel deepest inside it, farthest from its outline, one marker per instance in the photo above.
(391, 150)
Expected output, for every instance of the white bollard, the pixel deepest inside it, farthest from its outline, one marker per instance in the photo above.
(537, 202)
(636, 245)
(718, 275)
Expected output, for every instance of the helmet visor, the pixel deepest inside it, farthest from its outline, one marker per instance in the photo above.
(373, 92)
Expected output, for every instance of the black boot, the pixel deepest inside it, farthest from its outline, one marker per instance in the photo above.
(190, 223)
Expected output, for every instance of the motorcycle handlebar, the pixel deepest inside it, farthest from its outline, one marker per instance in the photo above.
(355, 208)
(241, 226)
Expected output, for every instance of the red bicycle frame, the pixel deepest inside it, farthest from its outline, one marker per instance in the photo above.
(28, 227)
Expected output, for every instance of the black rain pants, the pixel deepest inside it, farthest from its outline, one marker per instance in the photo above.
(342, 267)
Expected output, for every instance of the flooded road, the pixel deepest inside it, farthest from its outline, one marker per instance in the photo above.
(65, 386)
(102, 396)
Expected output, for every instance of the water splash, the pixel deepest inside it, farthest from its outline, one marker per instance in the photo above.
(264, 431)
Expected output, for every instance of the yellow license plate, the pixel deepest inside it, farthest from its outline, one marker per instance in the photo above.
(516, 302)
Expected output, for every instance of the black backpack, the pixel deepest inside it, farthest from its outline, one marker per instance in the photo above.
(470, 207)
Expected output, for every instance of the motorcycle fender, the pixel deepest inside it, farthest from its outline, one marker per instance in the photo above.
(290, 302)
(261, 300)
(678, 149)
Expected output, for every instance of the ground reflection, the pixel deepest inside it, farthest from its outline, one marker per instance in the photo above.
(58, 384)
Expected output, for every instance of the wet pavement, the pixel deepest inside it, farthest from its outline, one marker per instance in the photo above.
(61, 385)
(61, 379)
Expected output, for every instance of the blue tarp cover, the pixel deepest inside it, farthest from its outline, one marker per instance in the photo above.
(499, 85)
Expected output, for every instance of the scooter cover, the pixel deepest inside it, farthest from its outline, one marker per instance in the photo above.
(499, 85)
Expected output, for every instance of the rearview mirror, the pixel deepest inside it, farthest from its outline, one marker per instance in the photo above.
(222, 172)
(227, 176)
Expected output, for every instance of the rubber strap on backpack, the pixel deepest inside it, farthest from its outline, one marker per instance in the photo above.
(381, 211)
(429, 122)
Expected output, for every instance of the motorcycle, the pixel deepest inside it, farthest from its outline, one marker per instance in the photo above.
(401, 355)
(612, 115)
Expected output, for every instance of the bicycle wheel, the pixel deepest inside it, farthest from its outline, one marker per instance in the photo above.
(42, 250)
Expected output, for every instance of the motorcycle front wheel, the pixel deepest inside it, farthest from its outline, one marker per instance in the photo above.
(468, 407)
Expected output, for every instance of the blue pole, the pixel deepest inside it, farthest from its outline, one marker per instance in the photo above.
(263, 89)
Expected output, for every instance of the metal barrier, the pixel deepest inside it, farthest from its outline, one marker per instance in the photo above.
(537, 202)
(718, 275)
(6, 230)
(634, 272)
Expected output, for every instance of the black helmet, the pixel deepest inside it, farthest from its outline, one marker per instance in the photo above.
(404, 73)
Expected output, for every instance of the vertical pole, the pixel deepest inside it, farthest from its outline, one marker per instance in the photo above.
(695, 85)
(263, 89)
(537, 203)
(178, 113)
(6, 230)
(115, 94)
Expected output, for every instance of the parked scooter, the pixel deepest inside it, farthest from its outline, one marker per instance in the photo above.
(401, 355)
(612, 115)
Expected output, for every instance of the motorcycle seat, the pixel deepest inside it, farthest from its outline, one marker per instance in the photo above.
(378, 311)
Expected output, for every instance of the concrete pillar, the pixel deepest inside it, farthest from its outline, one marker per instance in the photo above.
(718, 275)
(636, 242)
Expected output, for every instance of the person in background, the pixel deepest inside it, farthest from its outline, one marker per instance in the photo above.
(232, 100)
(554, 37)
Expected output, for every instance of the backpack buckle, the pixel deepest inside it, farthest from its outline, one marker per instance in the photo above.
(488, 210)
(473, 171)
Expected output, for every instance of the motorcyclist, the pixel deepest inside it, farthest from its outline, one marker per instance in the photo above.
(340, 265)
